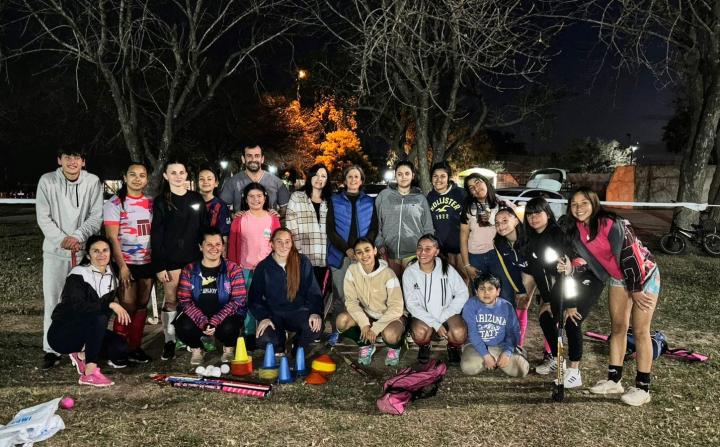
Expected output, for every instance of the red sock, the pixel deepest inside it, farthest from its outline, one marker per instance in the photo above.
(522, 315)
(546, 346)
(121, 329)
(137, 326)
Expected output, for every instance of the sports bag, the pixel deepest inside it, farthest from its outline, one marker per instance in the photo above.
(409, 385)
(659, 343)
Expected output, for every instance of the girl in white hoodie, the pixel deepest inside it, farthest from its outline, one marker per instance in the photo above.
(435, 294)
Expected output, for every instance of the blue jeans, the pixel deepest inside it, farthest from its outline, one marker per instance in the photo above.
(487, 263)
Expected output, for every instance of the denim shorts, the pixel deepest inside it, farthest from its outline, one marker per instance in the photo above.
(652, 284)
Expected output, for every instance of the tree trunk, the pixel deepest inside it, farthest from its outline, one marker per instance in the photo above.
(422, 143)
(692, 176)
(714, 193)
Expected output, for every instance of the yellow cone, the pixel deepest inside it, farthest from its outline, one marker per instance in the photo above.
(240, 350)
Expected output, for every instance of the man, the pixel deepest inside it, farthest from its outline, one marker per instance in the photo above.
(253, 159)
(69, 210)
(213, 299)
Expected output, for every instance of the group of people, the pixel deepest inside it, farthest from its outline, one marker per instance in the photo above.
(259, 261)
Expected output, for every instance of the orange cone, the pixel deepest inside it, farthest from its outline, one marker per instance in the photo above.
(315, 378)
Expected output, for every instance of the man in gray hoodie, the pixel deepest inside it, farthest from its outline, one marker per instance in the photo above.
(69, 210)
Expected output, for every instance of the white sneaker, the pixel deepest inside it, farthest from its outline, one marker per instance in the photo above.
(197, 356)
(548, 366)
(636, 397)
(573, 379)
(607, 387)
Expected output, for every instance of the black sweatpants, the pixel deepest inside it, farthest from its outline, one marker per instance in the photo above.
(90, 332)
(227, 333)
(294, 321)
(589, 290)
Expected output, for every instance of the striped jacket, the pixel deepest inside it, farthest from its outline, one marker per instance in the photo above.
(231, 293)
(309, 234)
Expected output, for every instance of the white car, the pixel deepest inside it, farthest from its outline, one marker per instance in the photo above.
(521, 196)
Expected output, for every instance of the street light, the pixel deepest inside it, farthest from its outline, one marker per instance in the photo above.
(389, 175)
(272, 169)
(633, 148)
(224, 164)
(301, 76)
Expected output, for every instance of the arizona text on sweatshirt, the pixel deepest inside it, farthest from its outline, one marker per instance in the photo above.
(491, 325)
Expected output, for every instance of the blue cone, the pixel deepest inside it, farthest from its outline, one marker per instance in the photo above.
(300, 369)
(285, 374)
(269, 360)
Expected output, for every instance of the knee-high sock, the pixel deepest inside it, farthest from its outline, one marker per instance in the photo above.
(522, 315)
(137, 326)
(122, 330)
(546, 346)
(167, 316)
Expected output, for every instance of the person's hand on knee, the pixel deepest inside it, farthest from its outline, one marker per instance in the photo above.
(489, 361)
(503, 361)
(262, 326)
(315, 322)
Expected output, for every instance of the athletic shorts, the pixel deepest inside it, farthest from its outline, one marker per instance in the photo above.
(141, 271)
(652, 284)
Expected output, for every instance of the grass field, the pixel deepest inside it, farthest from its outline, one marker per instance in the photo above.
(487, 410)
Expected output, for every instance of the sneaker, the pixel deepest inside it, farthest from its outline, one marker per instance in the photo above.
(208, 343)
(424, 354)
(78, 363)
(50, 360)
(138, 356)
(168, 351)
(548, 366)
(393, 357)
(333, 338)
(228, 355)
(607, 387)
(573, 379)
(197, 356)
(365, 354)
(636, 397)
(179, 346)
(118, 363)
(95, 379)
(454, 355)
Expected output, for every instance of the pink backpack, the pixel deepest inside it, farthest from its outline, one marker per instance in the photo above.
(409, 385)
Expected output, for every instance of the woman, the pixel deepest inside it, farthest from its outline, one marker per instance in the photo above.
(306, 216)
(446, 201)
(403, 216)
(79, 322)
(213, 298)
(477, 227)
(250, 238)
(179, 218)
(284, 296)
(374, 304)
(435, 295)
(351, 215)
(127, 218)
(612, 252)
(510, 255)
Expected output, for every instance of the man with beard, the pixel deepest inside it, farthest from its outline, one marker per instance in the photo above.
(278, 194)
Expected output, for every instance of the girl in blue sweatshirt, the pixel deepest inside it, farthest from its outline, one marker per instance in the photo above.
(493, 332)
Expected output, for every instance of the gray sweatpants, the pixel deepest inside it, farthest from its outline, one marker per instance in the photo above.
(472, 362)
(55, 270)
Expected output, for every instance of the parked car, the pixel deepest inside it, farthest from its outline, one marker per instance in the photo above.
(521, 196)
(550, 179)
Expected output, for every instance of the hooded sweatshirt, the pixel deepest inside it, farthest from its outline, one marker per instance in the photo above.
(433, 297)
(375, 295)
(66, 208)
(402, 219)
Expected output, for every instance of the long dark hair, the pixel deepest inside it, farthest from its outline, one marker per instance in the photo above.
(365, 240)
(470, 199)
(520, 231)
(122, 192)
(309, 174)
(292, 265)
(165, 192)
(538, 205)
(249, 187)
(598, 212)
(432, 238)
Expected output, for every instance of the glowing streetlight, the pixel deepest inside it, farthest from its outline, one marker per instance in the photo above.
(272, 169)
(302, 74)
(389, 175)
(224, 164)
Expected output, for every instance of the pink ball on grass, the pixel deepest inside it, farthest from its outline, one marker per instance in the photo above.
(67, 403)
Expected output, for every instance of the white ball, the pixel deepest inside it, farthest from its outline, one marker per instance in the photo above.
(225, 368)
(200, 371)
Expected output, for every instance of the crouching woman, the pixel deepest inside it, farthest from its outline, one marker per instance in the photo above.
(79, 322)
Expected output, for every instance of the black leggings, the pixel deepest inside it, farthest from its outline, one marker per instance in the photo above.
(227, 333)
(294, 321)
(589, 290)
(90, 332)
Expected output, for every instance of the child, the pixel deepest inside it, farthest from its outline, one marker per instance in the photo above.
(493, 331)
(374, 304)
(218, 211)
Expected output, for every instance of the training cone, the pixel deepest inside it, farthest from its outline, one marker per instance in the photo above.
(269, 360)
(285, 374)
(324, 364)
(300, 368)
(241, 354)
(315, 378)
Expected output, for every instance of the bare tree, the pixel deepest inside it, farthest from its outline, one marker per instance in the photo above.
(679, 42)
(162, 61)
(440, 65)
